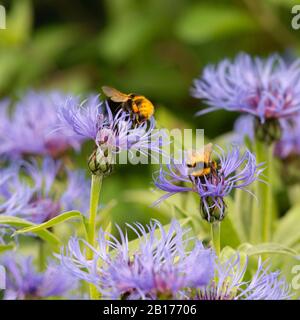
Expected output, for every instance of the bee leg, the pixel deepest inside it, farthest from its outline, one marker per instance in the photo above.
(125, 106)
(137, 120)
(135, 108)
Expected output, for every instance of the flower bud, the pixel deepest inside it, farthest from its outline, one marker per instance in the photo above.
(213, 209)
(100, 162)
(269, 131)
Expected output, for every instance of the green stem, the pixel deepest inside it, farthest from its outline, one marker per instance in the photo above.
(216, 236)
(42, 256)
(262, 208)
(257, 208)
(94, 202)
(267, 217)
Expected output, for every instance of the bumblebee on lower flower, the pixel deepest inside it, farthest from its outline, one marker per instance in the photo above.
(231, 170)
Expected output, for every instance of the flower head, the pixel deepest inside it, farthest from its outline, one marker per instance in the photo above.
(268, 89)
(232, 170)
(159, 268)
(29, 128)
(33, 192)
(112, 132)
(81, 119)
(167, 265)
(24, 282)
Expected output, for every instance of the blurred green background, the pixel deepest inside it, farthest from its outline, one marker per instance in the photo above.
(152, 47)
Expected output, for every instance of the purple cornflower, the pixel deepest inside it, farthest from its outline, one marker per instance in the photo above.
(34, 191)
(112, 132)
(268, 89)
(244, 126)
(81, 119)
(167, 264)
(229, 283)
(28, 129)
(160, 267)
(24, 282)
(11, 201)
(232, 170)
(289, 144)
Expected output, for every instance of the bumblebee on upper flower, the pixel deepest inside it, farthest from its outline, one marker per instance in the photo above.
(267, 89)
(139, 106)
(112, 130)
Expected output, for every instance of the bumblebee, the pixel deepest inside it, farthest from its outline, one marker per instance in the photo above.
(200, 163)
(140, 107)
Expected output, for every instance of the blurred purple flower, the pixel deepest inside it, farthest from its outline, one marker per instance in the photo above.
(159, 268)
(267, 89)
(243, 126)
(289, 144)
(234, 171)
(13, 194)
(29, 128)
(38, 197)
(24, 282)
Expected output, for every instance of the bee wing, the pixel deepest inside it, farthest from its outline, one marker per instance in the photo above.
(114, 94)
(201, 156)
(207, 152)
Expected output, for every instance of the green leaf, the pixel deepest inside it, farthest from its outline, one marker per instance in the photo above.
(51, 223)
(21, 223)
(288, 231)
(241, 212)
(229, 227)
(6, 247)
(203, 22)
(267, 248)
(148, 198)
(173, 207)
(229, 236)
